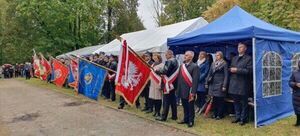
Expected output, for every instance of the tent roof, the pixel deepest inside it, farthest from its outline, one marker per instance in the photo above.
(81, 52)
(235, 24)
(153, 40)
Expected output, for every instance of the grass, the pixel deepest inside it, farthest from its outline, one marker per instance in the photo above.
(203, 126)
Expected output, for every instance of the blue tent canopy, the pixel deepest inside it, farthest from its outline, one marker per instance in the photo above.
(275, 51)
(235, 24)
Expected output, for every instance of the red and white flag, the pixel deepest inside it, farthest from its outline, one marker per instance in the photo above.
(60, 72)
(36, 65)
(45, 67)
(132, 74)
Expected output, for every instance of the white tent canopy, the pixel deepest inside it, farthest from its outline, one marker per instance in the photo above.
(153, 40)
(81, 52)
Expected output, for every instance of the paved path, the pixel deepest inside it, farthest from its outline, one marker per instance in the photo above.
(26, 110)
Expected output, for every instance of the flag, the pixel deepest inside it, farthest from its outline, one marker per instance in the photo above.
(36, 65)
(60, 72)
(73, 76)
(132, 74)
(91, 79)
(46, 68)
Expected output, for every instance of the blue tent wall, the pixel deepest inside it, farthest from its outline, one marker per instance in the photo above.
(273, 108)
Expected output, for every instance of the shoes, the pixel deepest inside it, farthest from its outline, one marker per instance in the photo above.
(149, 111)
(213, 116)
(182, 122)
(160, 119)
(145, 109)
(297, 125)
(217, 118)
(190, 124)
(138, 106)
(120, 107)
(174, 118)
(156, 114)
(235, 121)
(242, 123)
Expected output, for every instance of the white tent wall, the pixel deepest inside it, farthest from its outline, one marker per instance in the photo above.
(83, 51)
(153, 40)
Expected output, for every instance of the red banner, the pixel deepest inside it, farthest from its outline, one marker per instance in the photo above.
(46, 68)
(74, 70)
(36, 65)
(132, 75)
(61, 72)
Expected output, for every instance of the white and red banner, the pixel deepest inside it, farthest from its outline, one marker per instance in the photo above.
(132, 74)
(36, 65)
(45, 68)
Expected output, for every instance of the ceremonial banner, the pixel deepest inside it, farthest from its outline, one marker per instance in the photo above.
(45, 67)
(132, 74)
(91, 79)
(36, 65)
(60, 72)
(73, 76)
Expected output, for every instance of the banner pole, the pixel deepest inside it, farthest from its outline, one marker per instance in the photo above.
(94, 63)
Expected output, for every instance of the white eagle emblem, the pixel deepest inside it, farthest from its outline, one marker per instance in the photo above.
(133, 77)
(57, 73)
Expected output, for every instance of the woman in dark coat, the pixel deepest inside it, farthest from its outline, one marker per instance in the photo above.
(216, 83)
(204, 66)
(295, 85)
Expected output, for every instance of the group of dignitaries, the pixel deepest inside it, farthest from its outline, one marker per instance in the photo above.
(191, 83)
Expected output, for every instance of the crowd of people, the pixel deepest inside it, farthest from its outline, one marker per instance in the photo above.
(17, 70)
(214, 79)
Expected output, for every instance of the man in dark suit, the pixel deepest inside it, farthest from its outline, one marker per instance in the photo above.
(169, 99)
(145, 93)
(240, 69)
(111, 77)
(187, 87)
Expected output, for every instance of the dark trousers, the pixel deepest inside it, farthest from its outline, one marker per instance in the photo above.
(105, 90)
(156, 105)
(123, 102)
(27, 74)
(112, 92)
(240, 107)
(218, 106)
(201, 99)
(189, 110)
(169, 100)
(145, 94)
(298, 119)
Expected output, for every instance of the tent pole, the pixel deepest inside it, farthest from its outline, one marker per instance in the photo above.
(254, 79)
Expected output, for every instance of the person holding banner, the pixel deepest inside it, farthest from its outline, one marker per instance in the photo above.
(169, 74)
(145, 93)
(187, 86)
(111, 77)
(216, 83)
(155, 92)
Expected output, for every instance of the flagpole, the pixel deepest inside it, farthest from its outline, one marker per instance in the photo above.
(132, 51)
(94, 63)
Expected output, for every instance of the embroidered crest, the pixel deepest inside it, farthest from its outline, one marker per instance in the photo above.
(88, 78)
(57, 73)
(133, 76)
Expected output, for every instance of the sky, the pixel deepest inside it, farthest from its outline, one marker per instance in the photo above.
(146, 13)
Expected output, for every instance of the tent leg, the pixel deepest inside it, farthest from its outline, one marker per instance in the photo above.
(254, 79)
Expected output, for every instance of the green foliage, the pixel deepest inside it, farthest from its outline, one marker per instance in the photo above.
(284, 13)
(58, 26)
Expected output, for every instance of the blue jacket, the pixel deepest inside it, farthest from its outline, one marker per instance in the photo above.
(203, 72)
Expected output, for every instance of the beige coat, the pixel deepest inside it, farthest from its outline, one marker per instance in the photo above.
(155, 91)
